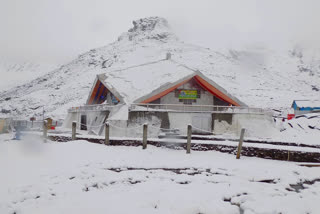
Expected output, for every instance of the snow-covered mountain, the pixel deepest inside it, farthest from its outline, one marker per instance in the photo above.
(258, 77)
(14, 73)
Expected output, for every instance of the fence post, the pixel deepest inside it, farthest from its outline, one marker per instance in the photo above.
(189, 133)
(145, 135)
(45, 131)
(74, 127)
(240, 143)
(107, 132)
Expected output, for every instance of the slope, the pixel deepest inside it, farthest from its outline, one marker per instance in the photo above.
(260, 78)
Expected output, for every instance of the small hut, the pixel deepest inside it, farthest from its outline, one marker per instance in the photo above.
(4, 125)
(49, 122)
(305, 106)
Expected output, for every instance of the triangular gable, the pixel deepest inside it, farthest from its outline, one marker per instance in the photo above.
(204, 82)
(99, 92)
(217, 90)
(163, 90)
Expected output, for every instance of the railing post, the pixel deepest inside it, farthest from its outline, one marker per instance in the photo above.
(107, 134)
(74, 128)
(189, 133)
(45, 131)
(240, 143)
(145, 135)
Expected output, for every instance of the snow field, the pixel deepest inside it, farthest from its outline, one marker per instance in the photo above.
(80, 177)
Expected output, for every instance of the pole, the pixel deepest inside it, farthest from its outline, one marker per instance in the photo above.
(74, 127)
(240, 143)
(107, 133)
(189, 133)
(45, 131)
(145, 135)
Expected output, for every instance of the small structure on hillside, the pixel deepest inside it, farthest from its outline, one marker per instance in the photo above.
(49, 122)
(165, 94)
(305, 106)
(5, 125)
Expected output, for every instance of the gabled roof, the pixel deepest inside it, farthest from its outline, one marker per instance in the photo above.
(147, 82)
(307, 103)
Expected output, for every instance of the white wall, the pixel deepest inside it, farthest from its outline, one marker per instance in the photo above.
(256, 125)
(67, 123)
(182, 120)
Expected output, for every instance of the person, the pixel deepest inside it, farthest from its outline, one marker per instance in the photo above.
(17, 128)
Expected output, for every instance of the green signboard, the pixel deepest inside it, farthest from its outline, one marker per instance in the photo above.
(188, 94)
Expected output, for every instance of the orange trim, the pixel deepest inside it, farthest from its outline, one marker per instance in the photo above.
(215, 91)
(94, 92)
(165, 92)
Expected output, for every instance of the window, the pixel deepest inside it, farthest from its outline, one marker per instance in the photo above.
(199, 94)
(187, 102)
(176, 93)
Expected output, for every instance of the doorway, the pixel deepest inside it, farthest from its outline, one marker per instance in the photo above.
(83, 122)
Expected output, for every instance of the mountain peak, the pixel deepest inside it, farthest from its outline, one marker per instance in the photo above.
(149, 24)
(148, 28)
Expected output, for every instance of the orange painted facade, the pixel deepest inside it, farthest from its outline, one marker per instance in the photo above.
(215, 91)
(99, 91)
(165, 92)
(207, 86)
(93, 94)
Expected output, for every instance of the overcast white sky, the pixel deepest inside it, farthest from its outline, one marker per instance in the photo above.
(56, 31)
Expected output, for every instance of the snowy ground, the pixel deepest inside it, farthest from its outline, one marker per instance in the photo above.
(80, 177)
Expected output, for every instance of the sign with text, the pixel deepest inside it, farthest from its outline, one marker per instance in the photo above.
(188, 94)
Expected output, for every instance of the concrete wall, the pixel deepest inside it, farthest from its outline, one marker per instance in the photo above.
(256, 125)
(180, 120)
(71, 116)
(94, 118)
(133, 126)
(298, 112)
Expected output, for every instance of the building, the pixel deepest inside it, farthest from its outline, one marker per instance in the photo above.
(166, 95)
(305, 106)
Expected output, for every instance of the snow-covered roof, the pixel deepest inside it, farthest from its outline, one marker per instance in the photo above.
(307, 103)
(137, 83)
